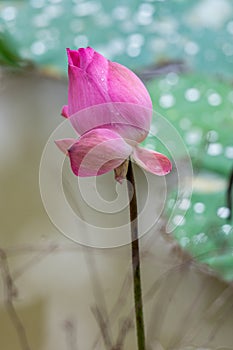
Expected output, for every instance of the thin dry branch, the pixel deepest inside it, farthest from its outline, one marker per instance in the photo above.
(71, 335)
(125, 327)
(103, 325)
(10, 294)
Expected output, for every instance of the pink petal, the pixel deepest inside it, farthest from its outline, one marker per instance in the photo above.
(94, 80)
(154, 162)
(65, 144)
(64, 111)
(83, 90)
(98, 152)
(125, 86)
(87, 79)
(80, 58)
(131, 121)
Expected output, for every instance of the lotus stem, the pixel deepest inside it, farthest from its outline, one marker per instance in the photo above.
(138, 304)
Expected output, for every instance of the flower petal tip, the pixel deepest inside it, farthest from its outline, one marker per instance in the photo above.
(64, 111)
(153, 162)
(64, 144)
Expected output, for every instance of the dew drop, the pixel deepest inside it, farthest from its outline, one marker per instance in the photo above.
(200, 238)
(37, 4)
(54, 11)
(229, 152)
(9, 13)
(191, 48)
(153, 130)
(55, 1)
(87, 8)
(184, 241)
(192, 95)
(144, 15)
(193, 137)
(40, 21)
(179, 220)
(223, 212)
(172, 78)
(212, 136)
(120, 13)
(199, 208)
(38, 48)
(185, 204)
(136, 40)
(215, 149)
(167, 101)
(133, 51)
(230, 27)
(214, 99)
(227, 229)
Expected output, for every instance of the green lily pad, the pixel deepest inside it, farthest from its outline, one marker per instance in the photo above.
(201, 110)
(134, 33)
(205, 231)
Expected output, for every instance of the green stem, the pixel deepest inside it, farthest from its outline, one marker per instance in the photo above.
(136, 260)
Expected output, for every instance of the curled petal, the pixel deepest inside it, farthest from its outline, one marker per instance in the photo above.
(98, 152)
(65, 144)
(64, 111)
(154, 162)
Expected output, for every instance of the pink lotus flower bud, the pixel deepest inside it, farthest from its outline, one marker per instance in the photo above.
(111, 109)
(95, 80)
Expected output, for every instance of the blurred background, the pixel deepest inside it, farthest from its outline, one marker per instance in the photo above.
(54, 292)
